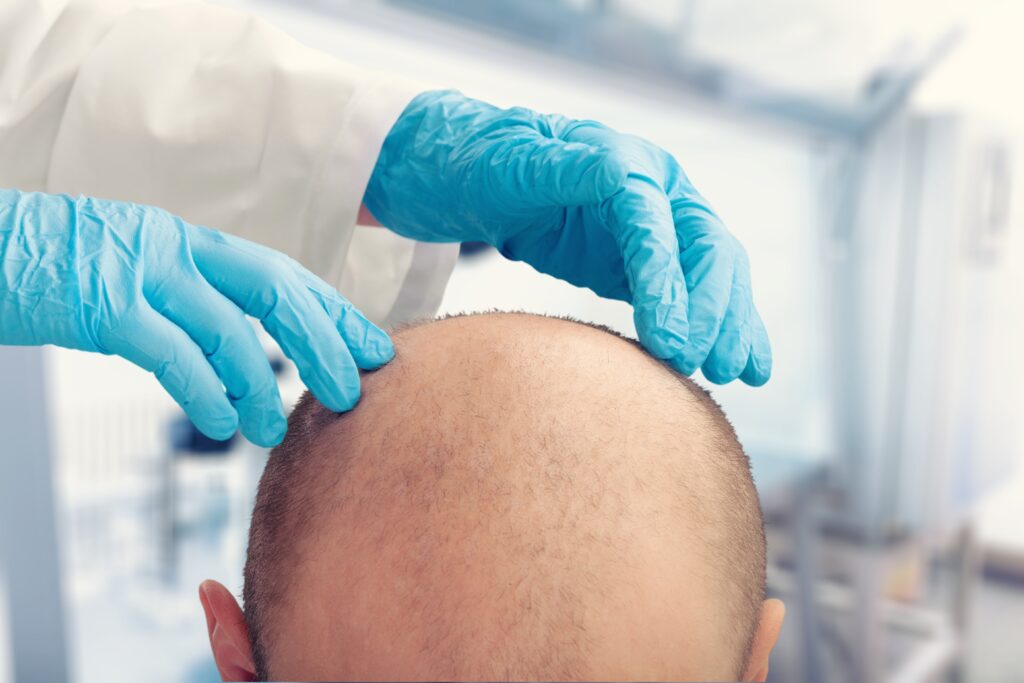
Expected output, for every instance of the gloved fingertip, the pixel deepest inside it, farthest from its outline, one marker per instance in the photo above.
(370, 346)
(279, 425)
(729, 357)
(348, 403)
(683, 365)
(218, 428)
(379, 351)
(611, 172)
(693, 356)
(271, 431)
(758, 381)
(269, 440)
(340, 399)
(717, 374)
(758, 371)
(374, 363)
(664, 336)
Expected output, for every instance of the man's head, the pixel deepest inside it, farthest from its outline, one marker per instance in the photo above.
(515, 497)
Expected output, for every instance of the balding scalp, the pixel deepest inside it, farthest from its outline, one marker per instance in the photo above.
(510, 491)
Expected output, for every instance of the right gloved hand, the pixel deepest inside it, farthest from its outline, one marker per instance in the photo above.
(135, 281)
(583, 203)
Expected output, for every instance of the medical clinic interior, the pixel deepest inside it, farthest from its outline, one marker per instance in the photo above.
(867, 156)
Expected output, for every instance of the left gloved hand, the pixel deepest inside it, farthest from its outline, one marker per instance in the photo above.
(171, 297)
(583, 203)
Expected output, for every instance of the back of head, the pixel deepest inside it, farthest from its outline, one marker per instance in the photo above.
(515, 497)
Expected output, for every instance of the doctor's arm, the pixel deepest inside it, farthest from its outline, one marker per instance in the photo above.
(207, 112)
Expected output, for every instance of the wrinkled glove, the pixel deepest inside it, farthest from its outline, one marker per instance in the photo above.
(583, 203)
(170, 297)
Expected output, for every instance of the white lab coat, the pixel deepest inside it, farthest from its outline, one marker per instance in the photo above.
(220, 118)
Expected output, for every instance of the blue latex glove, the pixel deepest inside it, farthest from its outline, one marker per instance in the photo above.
(583, 203)
(136, 281)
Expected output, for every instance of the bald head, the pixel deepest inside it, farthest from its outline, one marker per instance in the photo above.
(514, 497)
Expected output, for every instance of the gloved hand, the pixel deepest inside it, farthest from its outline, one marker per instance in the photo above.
(583, 203)
(136, 281)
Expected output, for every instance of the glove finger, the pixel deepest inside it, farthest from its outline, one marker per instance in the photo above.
(640, 218)
(731, 349)
(759, 365)
(370, 346)
(309, 337)
(540, 171)
(708, 261)
(157, 345)
(221, 331)
(272, 288)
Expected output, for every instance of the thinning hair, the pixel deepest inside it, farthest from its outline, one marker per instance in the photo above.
(299, 486)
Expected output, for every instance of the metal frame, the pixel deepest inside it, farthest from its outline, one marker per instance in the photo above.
(29, 550)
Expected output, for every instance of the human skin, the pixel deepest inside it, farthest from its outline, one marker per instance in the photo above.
(522, 497)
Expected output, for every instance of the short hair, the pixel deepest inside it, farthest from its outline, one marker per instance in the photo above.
(292, 483)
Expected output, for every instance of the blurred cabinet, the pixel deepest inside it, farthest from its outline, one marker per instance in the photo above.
(925, 342)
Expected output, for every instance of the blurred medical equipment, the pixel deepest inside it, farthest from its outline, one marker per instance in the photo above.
(583, 203)
(207, 483)
(920, 236)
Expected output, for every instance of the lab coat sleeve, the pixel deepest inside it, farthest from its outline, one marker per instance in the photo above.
(216, 116)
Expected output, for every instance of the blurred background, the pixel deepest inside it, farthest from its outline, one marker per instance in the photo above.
(867, 154)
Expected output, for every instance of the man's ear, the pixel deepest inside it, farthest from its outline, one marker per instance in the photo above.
(772, 614)
(229, 636)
